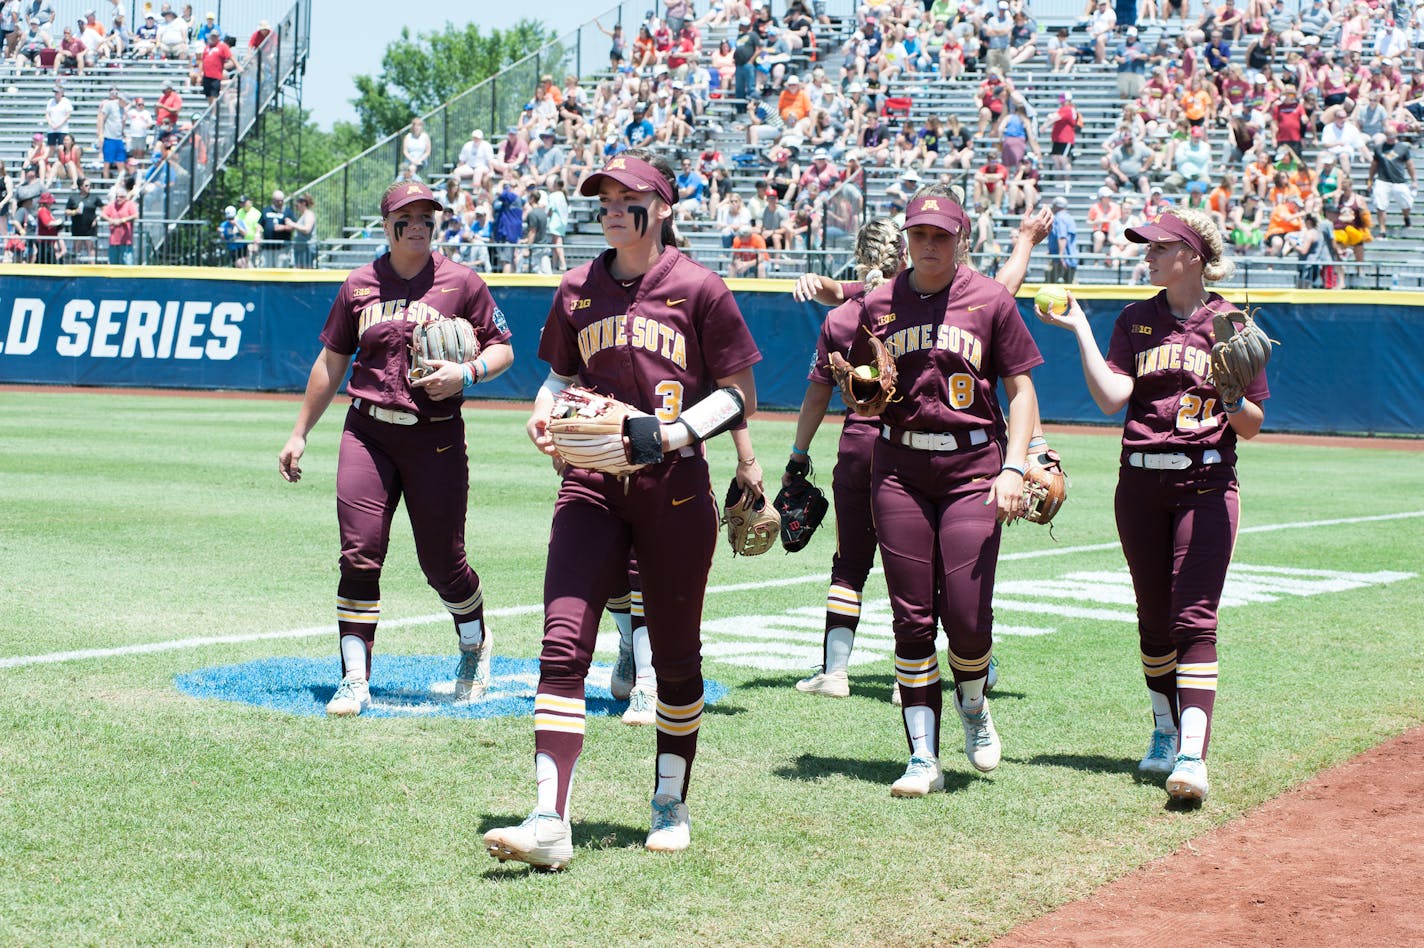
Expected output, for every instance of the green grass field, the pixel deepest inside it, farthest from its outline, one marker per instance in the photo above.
(130, 812)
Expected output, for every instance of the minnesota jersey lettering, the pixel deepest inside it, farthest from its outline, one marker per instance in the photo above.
(948, 338)
(384, 311)
(1173, 355)
(643, 332)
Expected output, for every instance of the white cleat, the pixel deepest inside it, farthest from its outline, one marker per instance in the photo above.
(981, 741)
(672, 826)
(921, 777)
(830, 684)
(642, 707)
(1188, 780)
(472, 675)
(352, 697)
(544, 841)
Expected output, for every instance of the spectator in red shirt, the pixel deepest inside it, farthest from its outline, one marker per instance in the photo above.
(47, 230)
(1287, 116)
(259, 36)
(215, 60)
(1066, 123)
(990, 184)
(169, 106)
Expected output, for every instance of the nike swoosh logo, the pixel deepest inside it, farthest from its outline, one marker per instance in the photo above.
(679, 503)
(970, 309)
(675, 302)
(444, 449)
(1206, 490)
(450, 289)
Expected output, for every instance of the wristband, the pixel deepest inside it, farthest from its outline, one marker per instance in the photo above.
(1233, 407)
(799, 453)
(744, 462)
(484, 371)
(466, 374)
(1038, 441)
(1010, 467)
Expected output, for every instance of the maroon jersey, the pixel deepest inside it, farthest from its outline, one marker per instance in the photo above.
(1173, 405)
(659, 343)
(375, 311)
(950, 349)
(838, 333)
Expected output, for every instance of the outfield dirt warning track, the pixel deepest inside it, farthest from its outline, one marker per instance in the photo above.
(1338, 860)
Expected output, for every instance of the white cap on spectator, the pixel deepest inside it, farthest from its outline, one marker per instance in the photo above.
(855, 87)
(1105, 192)
(1156, 189)
(1068, 96)
(1060, 202)
(820, 154)
(744, 22)
(1132, 31)
(910, 175)
(793, 80)
(229, 212)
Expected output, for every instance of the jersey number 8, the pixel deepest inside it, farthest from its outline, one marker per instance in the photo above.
(961, 390)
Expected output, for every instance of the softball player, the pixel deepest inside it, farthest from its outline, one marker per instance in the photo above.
(880, 255)
(1177, 504)
(401, 437)
(647, 325)
(946, 473)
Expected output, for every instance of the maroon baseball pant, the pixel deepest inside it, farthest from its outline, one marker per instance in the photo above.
(1178, 529)
(666, 513)
(939, 544)
(378, 465)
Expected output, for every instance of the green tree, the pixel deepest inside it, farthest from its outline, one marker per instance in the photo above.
(285, 150)
(419, 73)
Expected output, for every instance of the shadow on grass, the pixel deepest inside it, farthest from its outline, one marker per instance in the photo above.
(871, 687)
(589, 836)
(809, 767)
(1090, 763)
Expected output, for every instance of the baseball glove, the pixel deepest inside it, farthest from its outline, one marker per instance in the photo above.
(587, 430)
(1045, 486)
(752, 523)
(1240, 352)
(867, 389)
(450, 340)
(801, 506)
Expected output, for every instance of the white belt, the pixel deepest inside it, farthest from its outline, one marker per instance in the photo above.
(934, 441)
(389, 415)
(1171, 462)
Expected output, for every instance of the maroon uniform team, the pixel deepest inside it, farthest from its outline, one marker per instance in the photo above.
(941, 471)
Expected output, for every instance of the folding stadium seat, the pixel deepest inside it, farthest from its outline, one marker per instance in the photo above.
(896, 106)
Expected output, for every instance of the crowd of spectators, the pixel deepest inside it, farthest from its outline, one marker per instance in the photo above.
(132, 148)
(1290, 126)
(1272, 139)
(31, 36)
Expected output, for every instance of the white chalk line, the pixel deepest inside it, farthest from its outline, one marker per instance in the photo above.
(146, 648)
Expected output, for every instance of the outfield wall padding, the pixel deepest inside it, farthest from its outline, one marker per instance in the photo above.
(1350, 360)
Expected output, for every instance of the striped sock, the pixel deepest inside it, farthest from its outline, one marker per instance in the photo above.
(558, 735)
(358, 610)
(919, 681)
(1160, 671)
(1196, 694)
(679, 718)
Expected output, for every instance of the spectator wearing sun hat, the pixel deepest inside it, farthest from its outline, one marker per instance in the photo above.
(259, 35)
(794, 103)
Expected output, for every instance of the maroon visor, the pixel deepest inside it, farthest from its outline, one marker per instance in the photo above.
(634, 174)
(1169, 228)
(409, 194)
(942, 212)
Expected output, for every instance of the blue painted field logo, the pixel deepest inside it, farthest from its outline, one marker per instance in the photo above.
(402, 686)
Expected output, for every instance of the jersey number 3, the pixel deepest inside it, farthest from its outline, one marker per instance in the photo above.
(1194, 412)
(671, 394)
